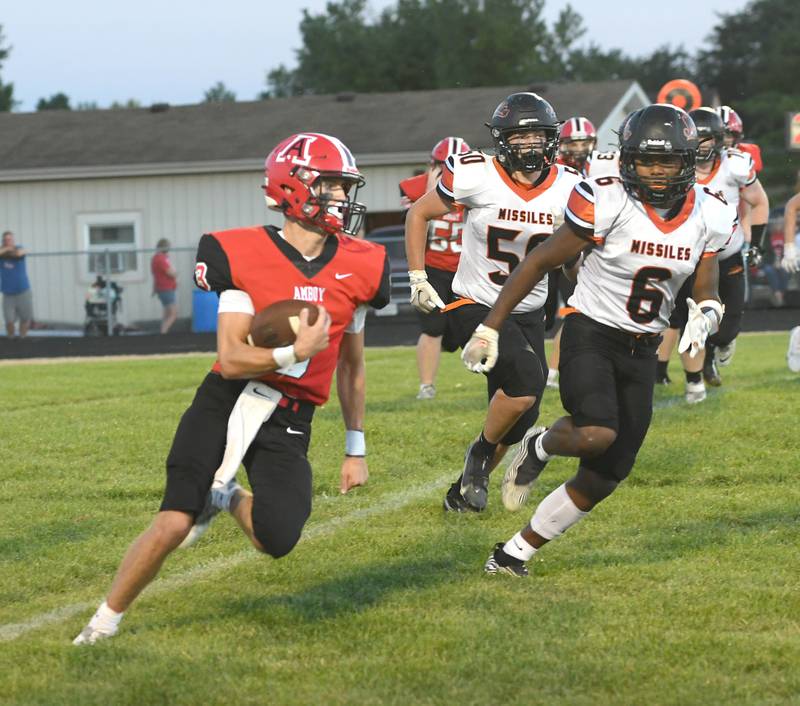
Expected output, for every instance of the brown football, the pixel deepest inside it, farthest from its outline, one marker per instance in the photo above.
(276, 325)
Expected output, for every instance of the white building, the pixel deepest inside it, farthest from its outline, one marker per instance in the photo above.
(102, 185)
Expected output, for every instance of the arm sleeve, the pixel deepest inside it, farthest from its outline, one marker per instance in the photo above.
(235, 301)
(212, 270)
(358, 321)
(579, 213)
(384, 293)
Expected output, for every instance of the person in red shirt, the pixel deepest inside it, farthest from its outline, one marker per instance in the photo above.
(272, 392)
(165, 283)
(734, 133)
(442, 252)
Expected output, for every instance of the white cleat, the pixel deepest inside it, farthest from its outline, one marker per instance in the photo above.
(793, 354)
(426, 392)
(216, 501)
(89, 635)
(522, 472)
(724, 354)
(695, 392)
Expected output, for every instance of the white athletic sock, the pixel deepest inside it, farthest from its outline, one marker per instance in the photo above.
(541, 454)
(552, 374)
(106, 619)
(555, 514)
(519, 548)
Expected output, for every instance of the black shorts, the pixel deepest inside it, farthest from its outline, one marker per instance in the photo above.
(276, 462)
(519, 371)
(434, 324)
(731, 293)
(606, 379)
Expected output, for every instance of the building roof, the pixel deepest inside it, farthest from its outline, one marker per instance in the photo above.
(369, 123)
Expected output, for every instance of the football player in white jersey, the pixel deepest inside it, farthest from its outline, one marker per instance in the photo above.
(731, 173)
(513, 202)
(650, 229)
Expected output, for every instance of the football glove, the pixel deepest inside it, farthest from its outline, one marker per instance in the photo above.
(789, 261)
(704, 319)
(752, 255)
(423, 296)
(480, 353)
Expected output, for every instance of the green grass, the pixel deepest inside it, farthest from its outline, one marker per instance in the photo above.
(682, 588)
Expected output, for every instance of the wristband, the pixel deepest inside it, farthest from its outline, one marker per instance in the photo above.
(757, 234)
(284, 357)
(354, 443)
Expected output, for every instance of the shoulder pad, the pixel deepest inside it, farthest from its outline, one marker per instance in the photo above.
(469, 170)
(740, 164)
(358, 245)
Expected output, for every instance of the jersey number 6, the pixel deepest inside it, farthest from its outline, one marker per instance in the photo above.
(641, 292)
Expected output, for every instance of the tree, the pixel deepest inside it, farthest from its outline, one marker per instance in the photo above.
(7, 101)
(126, 105)
(58, 101)
(219, 93)
(753, 62)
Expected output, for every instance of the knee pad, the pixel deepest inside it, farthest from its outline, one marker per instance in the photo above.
(278, 530)
(519, 373)
(592, 485)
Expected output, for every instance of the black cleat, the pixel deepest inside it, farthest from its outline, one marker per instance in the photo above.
(663, 380)
(710, 373)
(453, 502)
(501, 563)
(475, 479)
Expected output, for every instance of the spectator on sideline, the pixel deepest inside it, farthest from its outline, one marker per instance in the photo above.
(165, 282)
(17, 296)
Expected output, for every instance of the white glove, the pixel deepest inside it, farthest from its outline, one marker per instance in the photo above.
(480, 353)
(423, 296)
(699, 325)
(790, 262)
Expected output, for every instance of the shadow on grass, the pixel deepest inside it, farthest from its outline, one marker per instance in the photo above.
(34, 540)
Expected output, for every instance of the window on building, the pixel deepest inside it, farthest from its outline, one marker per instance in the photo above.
(111, 241)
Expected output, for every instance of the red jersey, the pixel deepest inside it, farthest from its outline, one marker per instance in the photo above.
(159, 266)
(258, 261)
(754, 151)
(444, 234)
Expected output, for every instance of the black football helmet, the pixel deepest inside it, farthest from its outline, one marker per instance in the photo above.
(710, 133)
(524, 112)
(659, 129)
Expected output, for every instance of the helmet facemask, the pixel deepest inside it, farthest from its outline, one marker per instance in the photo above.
(330, 214)
(528, 157)
(710, 146)
(661, 191)
(574, 154)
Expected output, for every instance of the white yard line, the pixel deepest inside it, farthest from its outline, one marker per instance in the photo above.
(12, 631)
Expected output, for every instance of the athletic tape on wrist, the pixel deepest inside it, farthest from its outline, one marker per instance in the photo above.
(355, 443)
(285, 356)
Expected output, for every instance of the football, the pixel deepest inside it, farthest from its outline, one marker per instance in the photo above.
(276, 325)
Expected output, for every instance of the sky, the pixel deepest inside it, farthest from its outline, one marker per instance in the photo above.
(155, 51)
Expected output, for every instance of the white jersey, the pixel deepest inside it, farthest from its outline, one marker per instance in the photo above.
(503, 222)
(603, 164)
(630, 279)
(734, 171)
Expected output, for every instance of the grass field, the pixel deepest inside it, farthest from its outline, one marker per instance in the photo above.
(682, 588)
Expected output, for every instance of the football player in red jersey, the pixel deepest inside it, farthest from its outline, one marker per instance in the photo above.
(513, 202)
(577, 142)
(441, 261)
(648, 230)
(313, 180)
(734, 133)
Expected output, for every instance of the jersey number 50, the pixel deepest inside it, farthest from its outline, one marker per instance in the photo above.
(494, 238)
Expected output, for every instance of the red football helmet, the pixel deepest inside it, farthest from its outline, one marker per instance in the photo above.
(292, 174)
(448, 146)
(573, 131)
(733, 123)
